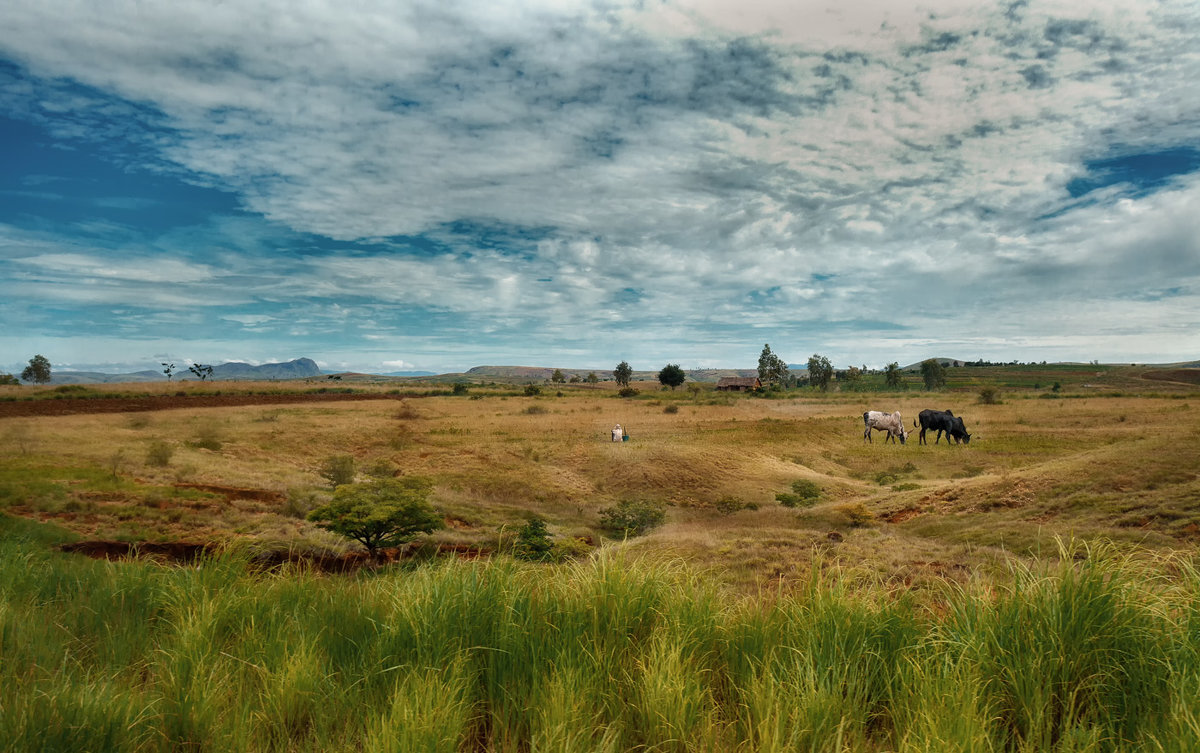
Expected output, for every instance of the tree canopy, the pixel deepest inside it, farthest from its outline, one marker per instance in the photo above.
(623, 373)
(38, 370)
(892, 376)
(933, 373)
(383, 513)
(672, 376)
(820, 371)
(772, 369)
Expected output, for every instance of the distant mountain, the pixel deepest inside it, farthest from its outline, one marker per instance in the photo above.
(95, 377)
(297, 369)
(409, 373)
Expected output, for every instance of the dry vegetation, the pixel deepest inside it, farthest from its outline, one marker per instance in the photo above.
(1086, 466)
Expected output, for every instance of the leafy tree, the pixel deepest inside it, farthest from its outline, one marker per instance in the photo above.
(934, 374)
(772, 369)
(557, 377)
(633, 517)
(534, 542)
(6, 378)
(38, 370)
(623, 373)
(201, 371)
(168, 369)
(820, 371)
(379, 514)
(592, 378)
(459, 388)
(892, 376)
(672, 376)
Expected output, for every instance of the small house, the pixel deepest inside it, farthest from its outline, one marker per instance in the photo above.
(738, 384)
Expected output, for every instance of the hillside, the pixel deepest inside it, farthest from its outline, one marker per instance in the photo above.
(299, 368)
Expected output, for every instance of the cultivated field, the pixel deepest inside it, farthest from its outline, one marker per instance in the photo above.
(1035, 590)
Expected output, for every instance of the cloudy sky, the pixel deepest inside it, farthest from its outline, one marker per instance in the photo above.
(438, 184)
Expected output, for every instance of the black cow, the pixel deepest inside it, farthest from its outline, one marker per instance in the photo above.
(942, 421)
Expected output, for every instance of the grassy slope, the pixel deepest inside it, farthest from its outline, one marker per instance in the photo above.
(1119, 467)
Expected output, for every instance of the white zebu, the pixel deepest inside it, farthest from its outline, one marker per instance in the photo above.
(880, 421)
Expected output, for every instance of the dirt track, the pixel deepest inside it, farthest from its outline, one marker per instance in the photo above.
(71, 406)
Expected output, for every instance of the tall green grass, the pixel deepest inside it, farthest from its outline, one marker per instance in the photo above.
(1098, 654)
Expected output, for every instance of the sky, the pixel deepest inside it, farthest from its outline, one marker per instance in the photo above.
(439, 184)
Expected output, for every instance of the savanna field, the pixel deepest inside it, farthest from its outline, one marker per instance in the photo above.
(1034, 590)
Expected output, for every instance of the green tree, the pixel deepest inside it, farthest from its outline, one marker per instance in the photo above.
(820, 371)
(933, 373)
(38, 370)
(557, 377)
(772, 369)
(892, 376)
(168, 369)
(672, 376)
(534, 542)
(379, 514)
(6, 378)
(201, 371)
(592, 378)
(623, 373)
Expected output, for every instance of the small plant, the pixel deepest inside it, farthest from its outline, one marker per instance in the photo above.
(633, 517)
(671, 409)
(804, 493)
(207, 438)
(729, 505)
(300, 502)
(460, 388)
(534, 542)
(380, 468)
(338, 470)
(627, 392)
(534, 410)
(989, 396)
(532, 390)
(159, 454)
(379, 514)
(856, 513)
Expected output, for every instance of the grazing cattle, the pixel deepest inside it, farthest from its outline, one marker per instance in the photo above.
(942, 421)
(889, 422)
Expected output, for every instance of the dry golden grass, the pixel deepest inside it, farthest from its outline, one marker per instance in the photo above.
(1116, 467)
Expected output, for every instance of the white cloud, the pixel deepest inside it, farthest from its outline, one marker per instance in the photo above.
(689, 168)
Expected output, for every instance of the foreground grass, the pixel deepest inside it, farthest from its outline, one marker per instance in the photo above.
(1096, 654)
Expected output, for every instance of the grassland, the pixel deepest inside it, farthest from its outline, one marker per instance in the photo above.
(925, 601)
(1089, 462)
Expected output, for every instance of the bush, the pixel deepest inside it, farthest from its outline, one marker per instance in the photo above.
(459, 389)
(627, 392)
(534, 542)
(856, 513)
(989, 396)
(804, 493)
(730, 505)
(300, 502)
(338, 470)
(532, 390)
(671, 409)
(633, 517)
(159, 453)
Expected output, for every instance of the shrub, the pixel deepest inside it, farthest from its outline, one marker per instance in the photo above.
(534, 410)
(532, 390)
(989, 396)
(633, 517)
(671, 409)
(383, 513)
(627, 392)
(534, 542)
(459, 389)
(806, 490)
(856, 513)
(300, 502)
(207, 438)
(730, 505)
(570, 548)
(338, 470)
(159, 454)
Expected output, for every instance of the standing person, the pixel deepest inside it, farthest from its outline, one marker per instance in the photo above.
(617, 433)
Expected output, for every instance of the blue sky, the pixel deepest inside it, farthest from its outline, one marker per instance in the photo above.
(434, 185)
